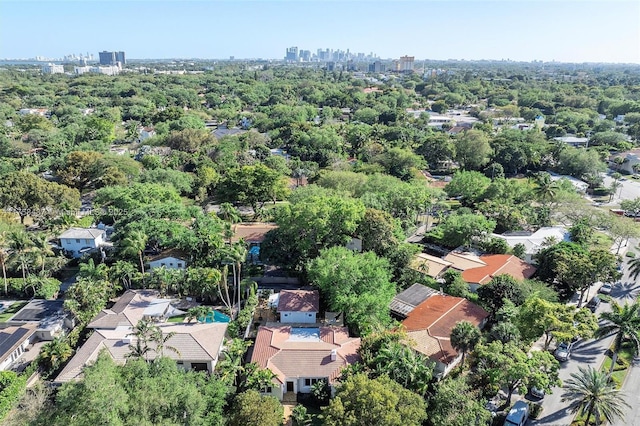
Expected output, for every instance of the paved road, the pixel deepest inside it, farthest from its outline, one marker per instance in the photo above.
(591, 352)
(628, 190)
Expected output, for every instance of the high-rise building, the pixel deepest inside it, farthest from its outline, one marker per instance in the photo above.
(52, 69)
(112, 58)
(377, 66)
(292, 54)
(405, 64)
(305, 55)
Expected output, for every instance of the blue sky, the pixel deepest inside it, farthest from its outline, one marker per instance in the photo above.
(561, 30)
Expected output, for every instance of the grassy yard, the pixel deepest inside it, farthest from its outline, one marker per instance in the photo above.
(11, 310)
(601, 241)
(179, 318)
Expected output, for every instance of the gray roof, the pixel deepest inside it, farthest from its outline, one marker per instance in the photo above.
(405, 302)
(82, 233)
(38, 309)
(12, 337)
(194, 342)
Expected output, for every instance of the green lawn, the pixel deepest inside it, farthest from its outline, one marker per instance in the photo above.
(601, 241)
(179, 318)
(9, 312)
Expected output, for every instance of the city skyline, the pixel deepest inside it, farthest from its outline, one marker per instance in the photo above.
(543, 30)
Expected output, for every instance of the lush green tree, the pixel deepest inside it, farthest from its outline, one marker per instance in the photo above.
(134, 244)
(538, 317)
(493, 294)
(507, 365)
(54, 353)
(253, 409)
(624, 322)
(380, 401)
(252, 185)
(472, 149)
(113, 394)
(462, 229)
(404, 365)
(578, 271)
(468, 186)
(25, 194)
(357, 284)
(86, 298)
(454, 403)
(464, 338)
(401, 163)
(308, 225)
(454, 285)
(591, 392)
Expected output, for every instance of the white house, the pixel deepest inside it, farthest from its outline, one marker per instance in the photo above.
(77, 241)
(298, 306)
(171, 259)
(146, 133)
(535, 241)
(14, 342)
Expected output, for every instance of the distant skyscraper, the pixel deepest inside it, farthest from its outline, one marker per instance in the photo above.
(406, 63)
(292, 54)
(111, 58)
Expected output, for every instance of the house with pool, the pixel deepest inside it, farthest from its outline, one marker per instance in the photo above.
(198, 344)
(303, 356)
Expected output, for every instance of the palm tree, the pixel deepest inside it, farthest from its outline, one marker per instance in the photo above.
(42, 247)
(94, 272)
(198, 312)
(464, 337)
(591, 392)
(20, 245)
(229, 213)
(4, 257)
(134, 244)
(624, 322)
(634, 266)
(160, 339)
(142, 334)
(545, 188)
(54, 353)
(122, 271)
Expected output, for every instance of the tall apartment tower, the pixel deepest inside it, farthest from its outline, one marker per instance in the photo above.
(406, 63)
(111, 58)
(292, 54)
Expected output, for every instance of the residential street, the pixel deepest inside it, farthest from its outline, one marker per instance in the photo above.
(628, 190)
(591, 352)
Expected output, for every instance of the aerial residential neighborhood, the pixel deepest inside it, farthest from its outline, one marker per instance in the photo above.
(310, 235)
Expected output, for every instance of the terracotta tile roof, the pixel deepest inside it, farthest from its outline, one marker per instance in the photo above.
(251, 232)
(299, 301)
(277, 349)
(429, 325)
(498, 264)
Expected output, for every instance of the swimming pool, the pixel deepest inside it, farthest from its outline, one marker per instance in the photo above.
(215, 316)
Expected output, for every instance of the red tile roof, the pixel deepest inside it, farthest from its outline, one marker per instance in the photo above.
(291, 358)
(299, 301)
(498, 264)
(431, 322)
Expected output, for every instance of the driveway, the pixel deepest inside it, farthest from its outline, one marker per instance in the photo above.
(591, 352)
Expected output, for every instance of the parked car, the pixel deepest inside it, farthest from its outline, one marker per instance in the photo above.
(593, 304)
(562, 352)
(518, 414)
(536, 393)
(606, 288)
